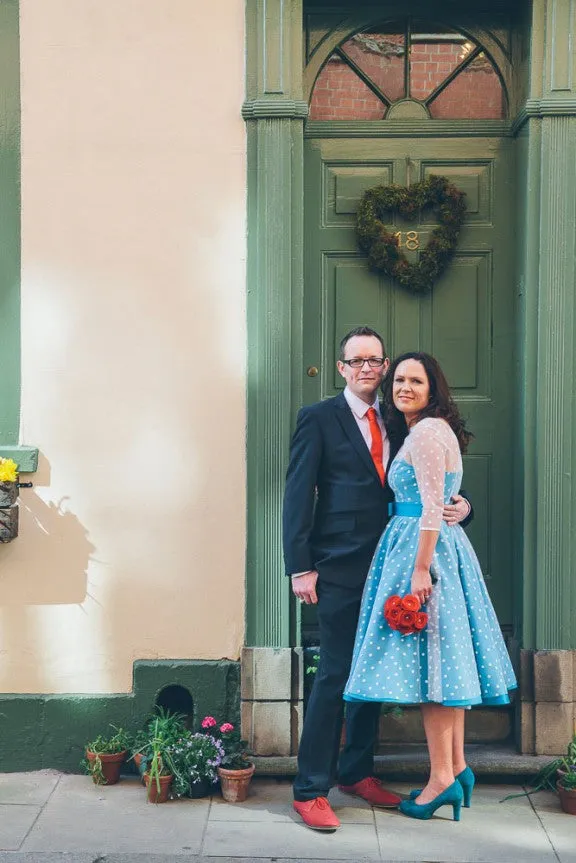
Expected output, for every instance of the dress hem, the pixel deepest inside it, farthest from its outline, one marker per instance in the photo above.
(468, 702)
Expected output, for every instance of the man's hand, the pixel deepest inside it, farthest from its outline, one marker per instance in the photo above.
(455, 512)
(304, 587)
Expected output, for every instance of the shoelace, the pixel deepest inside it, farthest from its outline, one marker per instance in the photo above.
(375, 783)
(322, 802)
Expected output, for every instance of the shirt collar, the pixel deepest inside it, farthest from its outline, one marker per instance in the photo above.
(358, 407)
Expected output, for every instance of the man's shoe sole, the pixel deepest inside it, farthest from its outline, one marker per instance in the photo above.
(321, 829)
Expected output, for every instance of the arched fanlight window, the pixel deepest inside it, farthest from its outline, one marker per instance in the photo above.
(395, 70)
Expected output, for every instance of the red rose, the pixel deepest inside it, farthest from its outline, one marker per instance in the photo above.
(394, 614)
(407, 619)
(410, 603)
(421, 620)
(391, 602)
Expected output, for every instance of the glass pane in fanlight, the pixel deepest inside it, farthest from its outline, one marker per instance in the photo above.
(381, 57)
(433, 56)
(475, 94)
(339, 94)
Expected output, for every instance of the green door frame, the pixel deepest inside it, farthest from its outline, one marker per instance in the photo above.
(9, 226)
(278, 87)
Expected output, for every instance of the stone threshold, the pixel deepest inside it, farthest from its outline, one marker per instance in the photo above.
(410, 760)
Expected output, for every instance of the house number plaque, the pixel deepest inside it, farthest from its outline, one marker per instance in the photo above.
(411, 242)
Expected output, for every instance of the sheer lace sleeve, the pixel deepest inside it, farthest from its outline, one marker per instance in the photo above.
(428, 450)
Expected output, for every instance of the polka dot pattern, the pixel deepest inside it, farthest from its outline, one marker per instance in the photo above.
(460, 659)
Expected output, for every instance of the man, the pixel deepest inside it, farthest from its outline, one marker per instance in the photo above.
(335, 509)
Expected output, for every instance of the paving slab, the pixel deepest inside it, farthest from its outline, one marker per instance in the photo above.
(32, 788)
(81, 816)
(560, 827)
(488, 832)
(276, 839)
(65, 857)
(271, 800)
(15, 822)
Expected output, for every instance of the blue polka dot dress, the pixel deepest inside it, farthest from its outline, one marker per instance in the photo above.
(460, 659)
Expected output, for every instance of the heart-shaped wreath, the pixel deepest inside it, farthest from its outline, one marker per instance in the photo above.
(381, 246)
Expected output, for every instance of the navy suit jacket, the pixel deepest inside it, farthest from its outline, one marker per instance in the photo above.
(335, 507)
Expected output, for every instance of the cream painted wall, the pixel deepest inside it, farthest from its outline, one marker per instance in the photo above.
(133, 299)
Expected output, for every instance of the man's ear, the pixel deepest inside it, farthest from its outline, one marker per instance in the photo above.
(340, 366)
(386, 366)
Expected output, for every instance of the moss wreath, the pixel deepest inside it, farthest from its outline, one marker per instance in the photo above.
(381, 245)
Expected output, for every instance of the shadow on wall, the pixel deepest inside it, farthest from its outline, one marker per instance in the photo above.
(53, 549)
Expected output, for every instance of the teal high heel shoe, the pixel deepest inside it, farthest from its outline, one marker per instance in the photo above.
(466, 779)
(451, 796)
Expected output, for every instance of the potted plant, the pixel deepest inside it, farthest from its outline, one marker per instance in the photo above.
(157, 775)
(165, 728)
(558, 775)
(566, 787)
(193, 760)
(235, 770)
(8, 497)
(105, 755)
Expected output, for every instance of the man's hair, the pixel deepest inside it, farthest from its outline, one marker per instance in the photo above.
(360, 331)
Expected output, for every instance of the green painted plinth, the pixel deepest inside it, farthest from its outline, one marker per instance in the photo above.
(26, 457)
(41, 731)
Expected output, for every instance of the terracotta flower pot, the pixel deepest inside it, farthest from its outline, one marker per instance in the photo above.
(234, 783)
(153, 795)
(110, 766)
(567, 799)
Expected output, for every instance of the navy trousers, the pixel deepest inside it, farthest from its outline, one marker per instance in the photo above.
(319, 764)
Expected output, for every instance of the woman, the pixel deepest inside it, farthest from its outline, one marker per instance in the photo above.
(460, 659)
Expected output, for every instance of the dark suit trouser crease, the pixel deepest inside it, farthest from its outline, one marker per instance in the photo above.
(318, 764)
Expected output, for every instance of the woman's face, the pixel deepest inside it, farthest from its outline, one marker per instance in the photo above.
(410, 389)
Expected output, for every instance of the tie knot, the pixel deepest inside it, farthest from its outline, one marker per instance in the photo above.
(371, 414)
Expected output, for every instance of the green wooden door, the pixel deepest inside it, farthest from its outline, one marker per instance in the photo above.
(467, 322)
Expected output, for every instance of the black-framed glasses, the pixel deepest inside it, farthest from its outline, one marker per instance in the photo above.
(358, 362)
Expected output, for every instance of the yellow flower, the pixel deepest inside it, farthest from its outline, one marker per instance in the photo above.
(8, 470)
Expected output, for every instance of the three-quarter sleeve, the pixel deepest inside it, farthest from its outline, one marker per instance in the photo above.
(428, 456)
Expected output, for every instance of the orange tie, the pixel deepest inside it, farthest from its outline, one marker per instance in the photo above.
(376, 447)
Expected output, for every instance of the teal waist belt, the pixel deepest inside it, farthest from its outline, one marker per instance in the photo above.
(413, 509)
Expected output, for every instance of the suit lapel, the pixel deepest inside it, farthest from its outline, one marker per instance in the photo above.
(350, 426)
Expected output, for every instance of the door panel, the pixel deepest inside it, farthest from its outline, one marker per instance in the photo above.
(466, 322)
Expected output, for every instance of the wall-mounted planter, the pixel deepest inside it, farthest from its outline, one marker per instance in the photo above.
(8, 511)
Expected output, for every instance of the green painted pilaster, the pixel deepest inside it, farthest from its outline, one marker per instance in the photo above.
(274, 113)
(550, 538)
(9, 223)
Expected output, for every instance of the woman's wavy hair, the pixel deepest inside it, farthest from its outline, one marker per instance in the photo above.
(440, 404)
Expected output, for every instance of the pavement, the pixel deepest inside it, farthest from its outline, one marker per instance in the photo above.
(51, 817)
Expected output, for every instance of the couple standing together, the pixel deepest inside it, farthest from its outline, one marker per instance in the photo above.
(372, 510)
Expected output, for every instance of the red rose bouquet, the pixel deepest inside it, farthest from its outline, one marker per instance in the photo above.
(403, 614)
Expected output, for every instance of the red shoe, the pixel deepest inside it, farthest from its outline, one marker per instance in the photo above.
(317, 814)
(370, 789)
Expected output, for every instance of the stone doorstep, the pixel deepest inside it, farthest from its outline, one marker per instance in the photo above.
(398, 762)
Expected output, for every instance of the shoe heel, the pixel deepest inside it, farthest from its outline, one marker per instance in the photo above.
(467, 781)
(456, 808)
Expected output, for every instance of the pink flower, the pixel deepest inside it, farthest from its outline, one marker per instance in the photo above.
(226, 727)
(208, 722)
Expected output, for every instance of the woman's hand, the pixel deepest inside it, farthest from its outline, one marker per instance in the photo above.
(421, 584)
